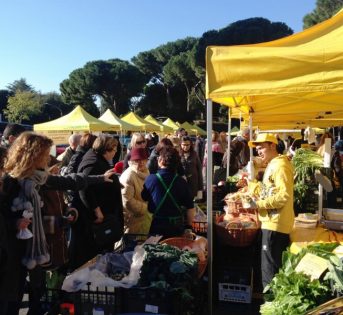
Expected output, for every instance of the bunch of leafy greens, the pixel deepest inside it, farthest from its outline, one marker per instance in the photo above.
(170, 269)
(305, 162)
(292, 293)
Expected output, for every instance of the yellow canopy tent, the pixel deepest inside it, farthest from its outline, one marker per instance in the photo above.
(200, 131)
(170, 123)
(112, 119)
(189, 128)
(135, 120)
(234, 131)
(297, 79)
(153, 121)
(77, 120)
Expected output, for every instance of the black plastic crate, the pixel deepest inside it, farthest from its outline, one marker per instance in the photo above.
(149, 300)
(83, 301)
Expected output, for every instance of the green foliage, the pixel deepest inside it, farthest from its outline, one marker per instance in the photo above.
(292, 293)
(170, 269)
(22, 106)
(115, 81)
(75, 91)
(249, 31)
(4, 95)
(324, 10)
(20, 86)
(305, 162)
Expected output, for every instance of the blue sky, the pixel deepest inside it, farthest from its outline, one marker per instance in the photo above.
(43, 41)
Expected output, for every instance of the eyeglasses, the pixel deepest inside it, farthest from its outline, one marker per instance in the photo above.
(140, 142)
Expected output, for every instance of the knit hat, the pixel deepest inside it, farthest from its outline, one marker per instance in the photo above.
(139, 154)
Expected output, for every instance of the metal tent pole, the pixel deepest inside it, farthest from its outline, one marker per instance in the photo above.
(228, 144)
(251, 169)
(209, 203)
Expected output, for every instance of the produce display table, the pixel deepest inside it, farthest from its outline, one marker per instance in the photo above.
(301, 237)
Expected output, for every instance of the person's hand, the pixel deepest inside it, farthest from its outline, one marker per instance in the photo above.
(23, 223)
(99, 215)
(72, 215)
(107, 176)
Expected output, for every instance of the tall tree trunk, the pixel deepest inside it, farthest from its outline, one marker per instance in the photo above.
(188, 98)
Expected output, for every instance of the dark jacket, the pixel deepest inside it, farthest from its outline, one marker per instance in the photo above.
(75, 160)
(239, 154)
(193, 172)
(153, 164)
(107, 196)
(67, 156)
(199, 147)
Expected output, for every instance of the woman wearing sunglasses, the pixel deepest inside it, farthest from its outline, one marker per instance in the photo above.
(137, 142)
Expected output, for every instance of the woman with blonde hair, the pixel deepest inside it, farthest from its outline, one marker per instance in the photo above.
(26, 168)
(137, 141)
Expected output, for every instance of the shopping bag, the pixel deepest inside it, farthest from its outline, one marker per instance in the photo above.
(108, 232)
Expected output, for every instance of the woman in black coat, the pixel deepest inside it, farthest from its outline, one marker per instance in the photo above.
(97, 202)
(192, 167)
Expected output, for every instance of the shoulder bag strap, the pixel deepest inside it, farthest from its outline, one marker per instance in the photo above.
(167, 189)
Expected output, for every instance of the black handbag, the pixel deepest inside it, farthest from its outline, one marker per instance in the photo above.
(108, 232)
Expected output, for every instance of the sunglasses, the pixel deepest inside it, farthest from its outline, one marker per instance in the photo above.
(140, 142)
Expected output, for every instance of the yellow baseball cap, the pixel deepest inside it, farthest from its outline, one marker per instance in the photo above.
(263, 137)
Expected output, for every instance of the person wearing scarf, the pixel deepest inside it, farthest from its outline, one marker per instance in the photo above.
(26, 172)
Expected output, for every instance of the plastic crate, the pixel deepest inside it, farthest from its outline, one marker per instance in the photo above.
(148, 300)
(83, 301)
(238, 286)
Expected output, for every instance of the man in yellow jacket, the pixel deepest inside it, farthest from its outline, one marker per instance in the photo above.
(275, 204)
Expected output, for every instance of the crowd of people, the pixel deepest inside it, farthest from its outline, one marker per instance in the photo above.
(52, 208)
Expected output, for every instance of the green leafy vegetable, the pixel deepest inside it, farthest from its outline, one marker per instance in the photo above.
(292, 293)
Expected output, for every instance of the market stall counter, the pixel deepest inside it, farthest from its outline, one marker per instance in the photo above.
(301, 237)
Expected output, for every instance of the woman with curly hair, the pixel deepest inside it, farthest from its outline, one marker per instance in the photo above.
(26, 172)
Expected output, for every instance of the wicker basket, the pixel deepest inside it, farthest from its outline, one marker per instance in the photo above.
(181, 242)
(235, 235)
(234, 206)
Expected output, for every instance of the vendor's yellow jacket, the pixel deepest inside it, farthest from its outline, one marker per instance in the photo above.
(275, 204)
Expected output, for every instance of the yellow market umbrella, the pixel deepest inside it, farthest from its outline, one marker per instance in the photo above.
(170, 123)
(77, 120)
(154, 121)
(135, 120)
(112, 119)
